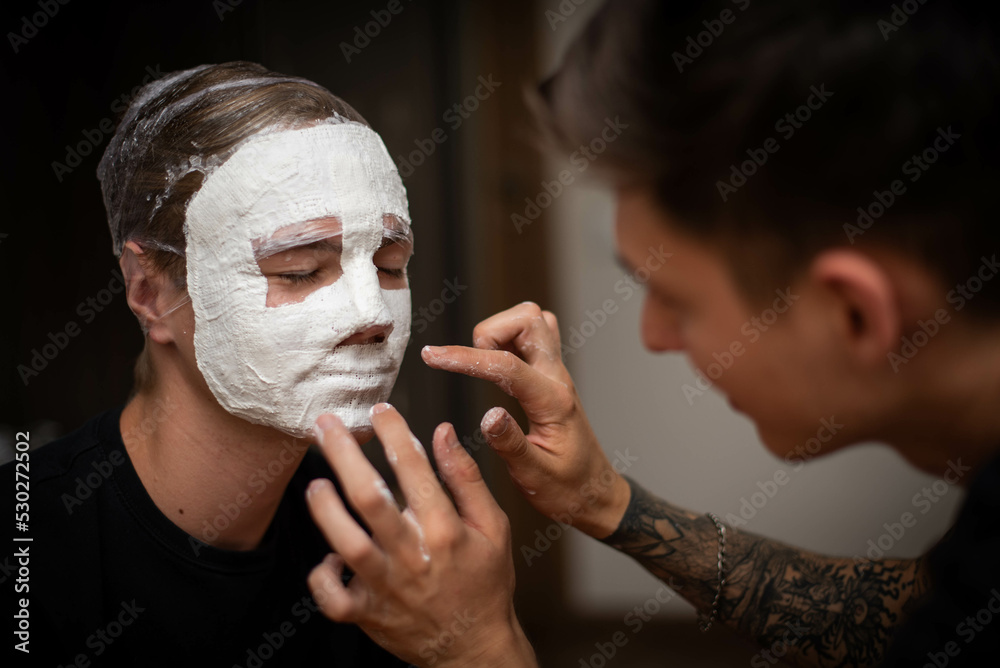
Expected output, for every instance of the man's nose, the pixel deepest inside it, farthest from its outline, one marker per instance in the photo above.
(373, 321)
(373, 334)
(661, 331)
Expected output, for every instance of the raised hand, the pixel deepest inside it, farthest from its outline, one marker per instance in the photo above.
(559, 465)
(433, 583)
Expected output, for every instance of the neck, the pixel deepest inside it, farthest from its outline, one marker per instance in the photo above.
(217, 477)
(953, 400)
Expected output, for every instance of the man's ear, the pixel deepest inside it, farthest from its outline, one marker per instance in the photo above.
(151, 294)
(867, 304)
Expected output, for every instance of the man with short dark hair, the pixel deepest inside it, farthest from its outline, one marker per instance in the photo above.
(844, 155)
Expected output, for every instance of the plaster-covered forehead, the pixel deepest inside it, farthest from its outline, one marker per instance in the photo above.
(340, 170)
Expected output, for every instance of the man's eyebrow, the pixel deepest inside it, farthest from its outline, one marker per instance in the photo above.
(323, 245)
(396, 230)
(396, 237)
(330, 245)
(397, 226)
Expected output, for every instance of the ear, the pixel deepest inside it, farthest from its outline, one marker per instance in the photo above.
(151, 294)
(864, 295)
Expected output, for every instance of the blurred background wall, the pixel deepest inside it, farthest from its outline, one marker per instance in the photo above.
(468, 169)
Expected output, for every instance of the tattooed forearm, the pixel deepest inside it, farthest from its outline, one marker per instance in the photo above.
(820, 611)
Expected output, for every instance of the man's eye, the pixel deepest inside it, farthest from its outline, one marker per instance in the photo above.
(394, 273)
(300, 278)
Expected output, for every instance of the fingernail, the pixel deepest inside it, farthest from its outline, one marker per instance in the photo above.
(380, 408)
(483, 343)
(430, 351)
(443, 433)
(495, 422)
(453, 438)
(317, 485)
(326, 421)
(323, 423)
(449, 435)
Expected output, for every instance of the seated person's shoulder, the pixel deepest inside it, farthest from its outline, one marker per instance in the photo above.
(76, 464)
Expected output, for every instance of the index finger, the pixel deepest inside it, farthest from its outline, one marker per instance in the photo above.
(409, 460)
(525, 329)
(534, 390)
(362, 484)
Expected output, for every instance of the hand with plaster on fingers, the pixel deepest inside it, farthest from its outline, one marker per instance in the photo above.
(559, 466)
(433, 583)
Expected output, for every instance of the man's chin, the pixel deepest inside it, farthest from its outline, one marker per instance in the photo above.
(356, 415)
(778, 443)
(363, 434)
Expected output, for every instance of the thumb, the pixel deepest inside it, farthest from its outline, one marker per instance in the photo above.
(505, 436)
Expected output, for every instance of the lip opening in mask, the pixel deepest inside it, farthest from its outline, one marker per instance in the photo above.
(327, 193)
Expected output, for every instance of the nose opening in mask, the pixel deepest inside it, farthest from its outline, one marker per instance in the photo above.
(369, 335)
(372, 321)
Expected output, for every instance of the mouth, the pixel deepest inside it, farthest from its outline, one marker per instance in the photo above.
(362, 340)
(369, 359)
(373, 341)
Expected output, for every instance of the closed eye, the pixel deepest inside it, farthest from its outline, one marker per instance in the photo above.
(394, 273)
(300, 278)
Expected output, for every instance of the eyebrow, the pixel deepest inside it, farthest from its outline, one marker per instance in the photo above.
(326, 245)
(396, 237)
(322, 245)
(397, 227)
(395, 230)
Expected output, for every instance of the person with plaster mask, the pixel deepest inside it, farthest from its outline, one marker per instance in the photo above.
(263, 234)
(890, 316)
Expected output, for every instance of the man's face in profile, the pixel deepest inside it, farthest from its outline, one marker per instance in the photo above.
(775, 361)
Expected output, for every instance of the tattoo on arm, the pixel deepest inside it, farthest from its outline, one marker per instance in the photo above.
(822, 611)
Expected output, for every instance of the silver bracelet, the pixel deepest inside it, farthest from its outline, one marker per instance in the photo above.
(705, 621)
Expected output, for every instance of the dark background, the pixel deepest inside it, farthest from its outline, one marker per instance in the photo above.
(55, 249)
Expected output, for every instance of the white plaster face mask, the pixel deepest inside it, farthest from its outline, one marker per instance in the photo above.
(329, 334)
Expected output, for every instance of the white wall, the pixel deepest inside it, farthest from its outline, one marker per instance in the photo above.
(702, 456)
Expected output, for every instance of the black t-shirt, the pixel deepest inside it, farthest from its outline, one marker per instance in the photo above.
(115, 583)
(959, 623)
